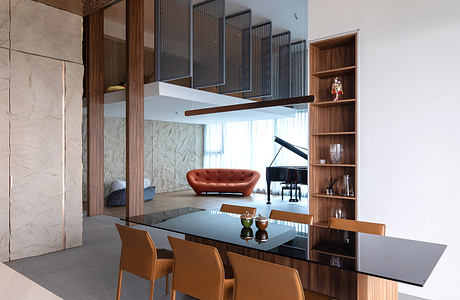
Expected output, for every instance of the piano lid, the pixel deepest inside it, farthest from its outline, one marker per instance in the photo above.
(290, 147)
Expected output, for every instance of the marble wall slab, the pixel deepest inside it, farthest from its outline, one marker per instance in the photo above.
(36, 161)
(4, 155)
(40, 29)
(73, 160)
(4, 24)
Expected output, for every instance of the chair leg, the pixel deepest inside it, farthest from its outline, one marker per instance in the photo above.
(152, 286)
(173, 294)
(167, 284)
(120, 279)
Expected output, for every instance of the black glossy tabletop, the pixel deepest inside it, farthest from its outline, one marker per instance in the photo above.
(401, 260)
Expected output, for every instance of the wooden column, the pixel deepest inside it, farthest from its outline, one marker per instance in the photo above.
(94, 35)
(135, 107)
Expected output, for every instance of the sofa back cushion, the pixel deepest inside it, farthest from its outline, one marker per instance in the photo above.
(223, 175)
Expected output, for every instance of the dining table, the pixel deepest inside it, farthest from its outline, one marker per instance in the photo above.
(345, 265)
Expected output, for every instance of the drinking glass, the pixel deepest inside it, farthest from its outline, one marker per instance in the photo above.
(336, 152)
(338, 212)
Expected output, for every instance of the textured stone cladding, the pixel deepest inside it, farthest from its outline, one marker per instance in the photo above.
(170, 151)
(41, 76)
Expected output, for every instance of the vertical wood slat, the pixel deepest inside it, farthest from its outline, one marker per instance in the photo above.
(95, 104)
(135, 108)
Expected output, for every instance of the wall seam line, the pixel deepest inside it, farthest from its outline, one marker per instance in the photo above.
(39, 55)
(64, 154)
(9, 132)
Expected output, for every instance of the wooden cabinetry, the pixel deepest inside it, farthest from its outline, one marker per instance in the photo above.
(332, 122)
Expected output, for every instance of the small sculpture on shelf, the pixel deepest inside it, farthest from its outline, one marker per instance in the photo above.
(330, 185)
(337, 88)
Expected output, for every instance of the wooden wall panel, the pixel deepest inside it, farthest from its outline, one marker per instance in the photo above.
(95, 104)
(135, 108)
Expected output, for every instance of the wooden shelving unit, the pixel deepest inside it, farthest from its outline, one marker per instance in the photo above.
(332, 122)
(334, 133)
(334, 196)
(335, 72)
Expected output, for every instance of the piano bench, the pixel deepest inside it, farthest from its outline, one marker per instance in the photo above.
(290, 187)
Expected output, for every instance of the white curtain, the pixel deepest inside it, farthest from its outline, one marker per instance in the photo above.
(250, 145)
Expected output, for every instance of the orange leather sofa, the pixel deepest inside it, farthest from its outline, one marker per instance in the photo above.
(223, 180)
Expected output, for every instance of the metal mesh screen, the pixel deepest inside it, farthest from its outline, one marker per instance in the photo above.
(238, 59)
(261, 61)
(281, 66)
(298, 69)
(209, 43)
(173, 39)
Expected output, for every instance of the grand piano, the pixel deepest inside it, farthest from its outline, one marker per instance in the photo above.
(292, 175)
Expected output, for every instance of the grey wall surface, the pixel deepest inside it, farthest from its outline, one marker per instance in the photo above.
(41, 76)
(170, 151)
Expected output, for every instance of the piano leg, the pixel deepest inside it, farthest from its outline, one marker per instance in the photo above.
(294, 186)
(268, 191)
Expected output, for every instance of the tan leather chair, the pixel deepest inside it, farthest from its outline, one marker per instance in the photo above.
(357, 226)
(257, 279)
(139, 256)
(198, 271)
(235, 209)
(291, 217)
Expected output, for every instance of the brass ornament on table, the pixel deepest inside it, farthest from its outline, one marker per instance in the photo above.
(337, 88)
(261, 222)
(247, 219)
(246, 234)
(261, 236)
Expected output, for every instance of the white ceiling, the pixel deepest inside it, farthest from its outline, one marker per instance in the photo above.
(168, 102)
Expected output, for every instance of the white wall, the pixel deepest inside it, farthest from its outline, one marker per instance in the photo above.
(409, 122)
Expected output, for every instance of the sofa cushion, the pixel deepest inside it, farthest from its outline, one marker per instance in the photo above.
(223, 180)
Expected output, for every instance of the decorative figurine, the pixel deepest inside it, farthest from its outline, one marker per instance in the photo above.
(330, 185)
(337, 88)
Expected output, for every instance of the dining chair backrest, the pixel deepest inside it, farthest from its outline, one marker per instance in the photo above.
(198, 270)
(291, 217)
(257, 279)
(357, 226)
(236, 209)
(138, 252)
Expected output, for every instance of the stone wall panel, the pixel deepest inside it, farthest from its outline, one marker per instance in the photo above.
(4, 24)
(4, 155)
(36, 161)
(170, 151)
(73, 160)
(39, 29)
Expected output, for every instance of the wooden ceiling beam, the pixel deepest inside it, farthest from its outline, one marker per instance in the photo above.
(253, 105)
(78, 7)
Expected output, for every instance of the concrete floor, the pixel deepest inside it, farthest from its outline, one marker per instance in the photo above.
(90, 272)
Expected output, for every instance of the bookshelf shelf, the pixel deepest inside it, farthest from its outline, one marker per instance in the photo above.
(334, 72)
(332, 122)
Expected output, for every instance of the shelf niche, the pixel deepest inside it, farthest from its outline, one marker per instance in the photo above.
(332, 122)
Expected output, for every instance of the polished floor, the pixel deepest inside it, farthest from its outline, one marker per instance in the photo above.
(166, 201)
(90, 272)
